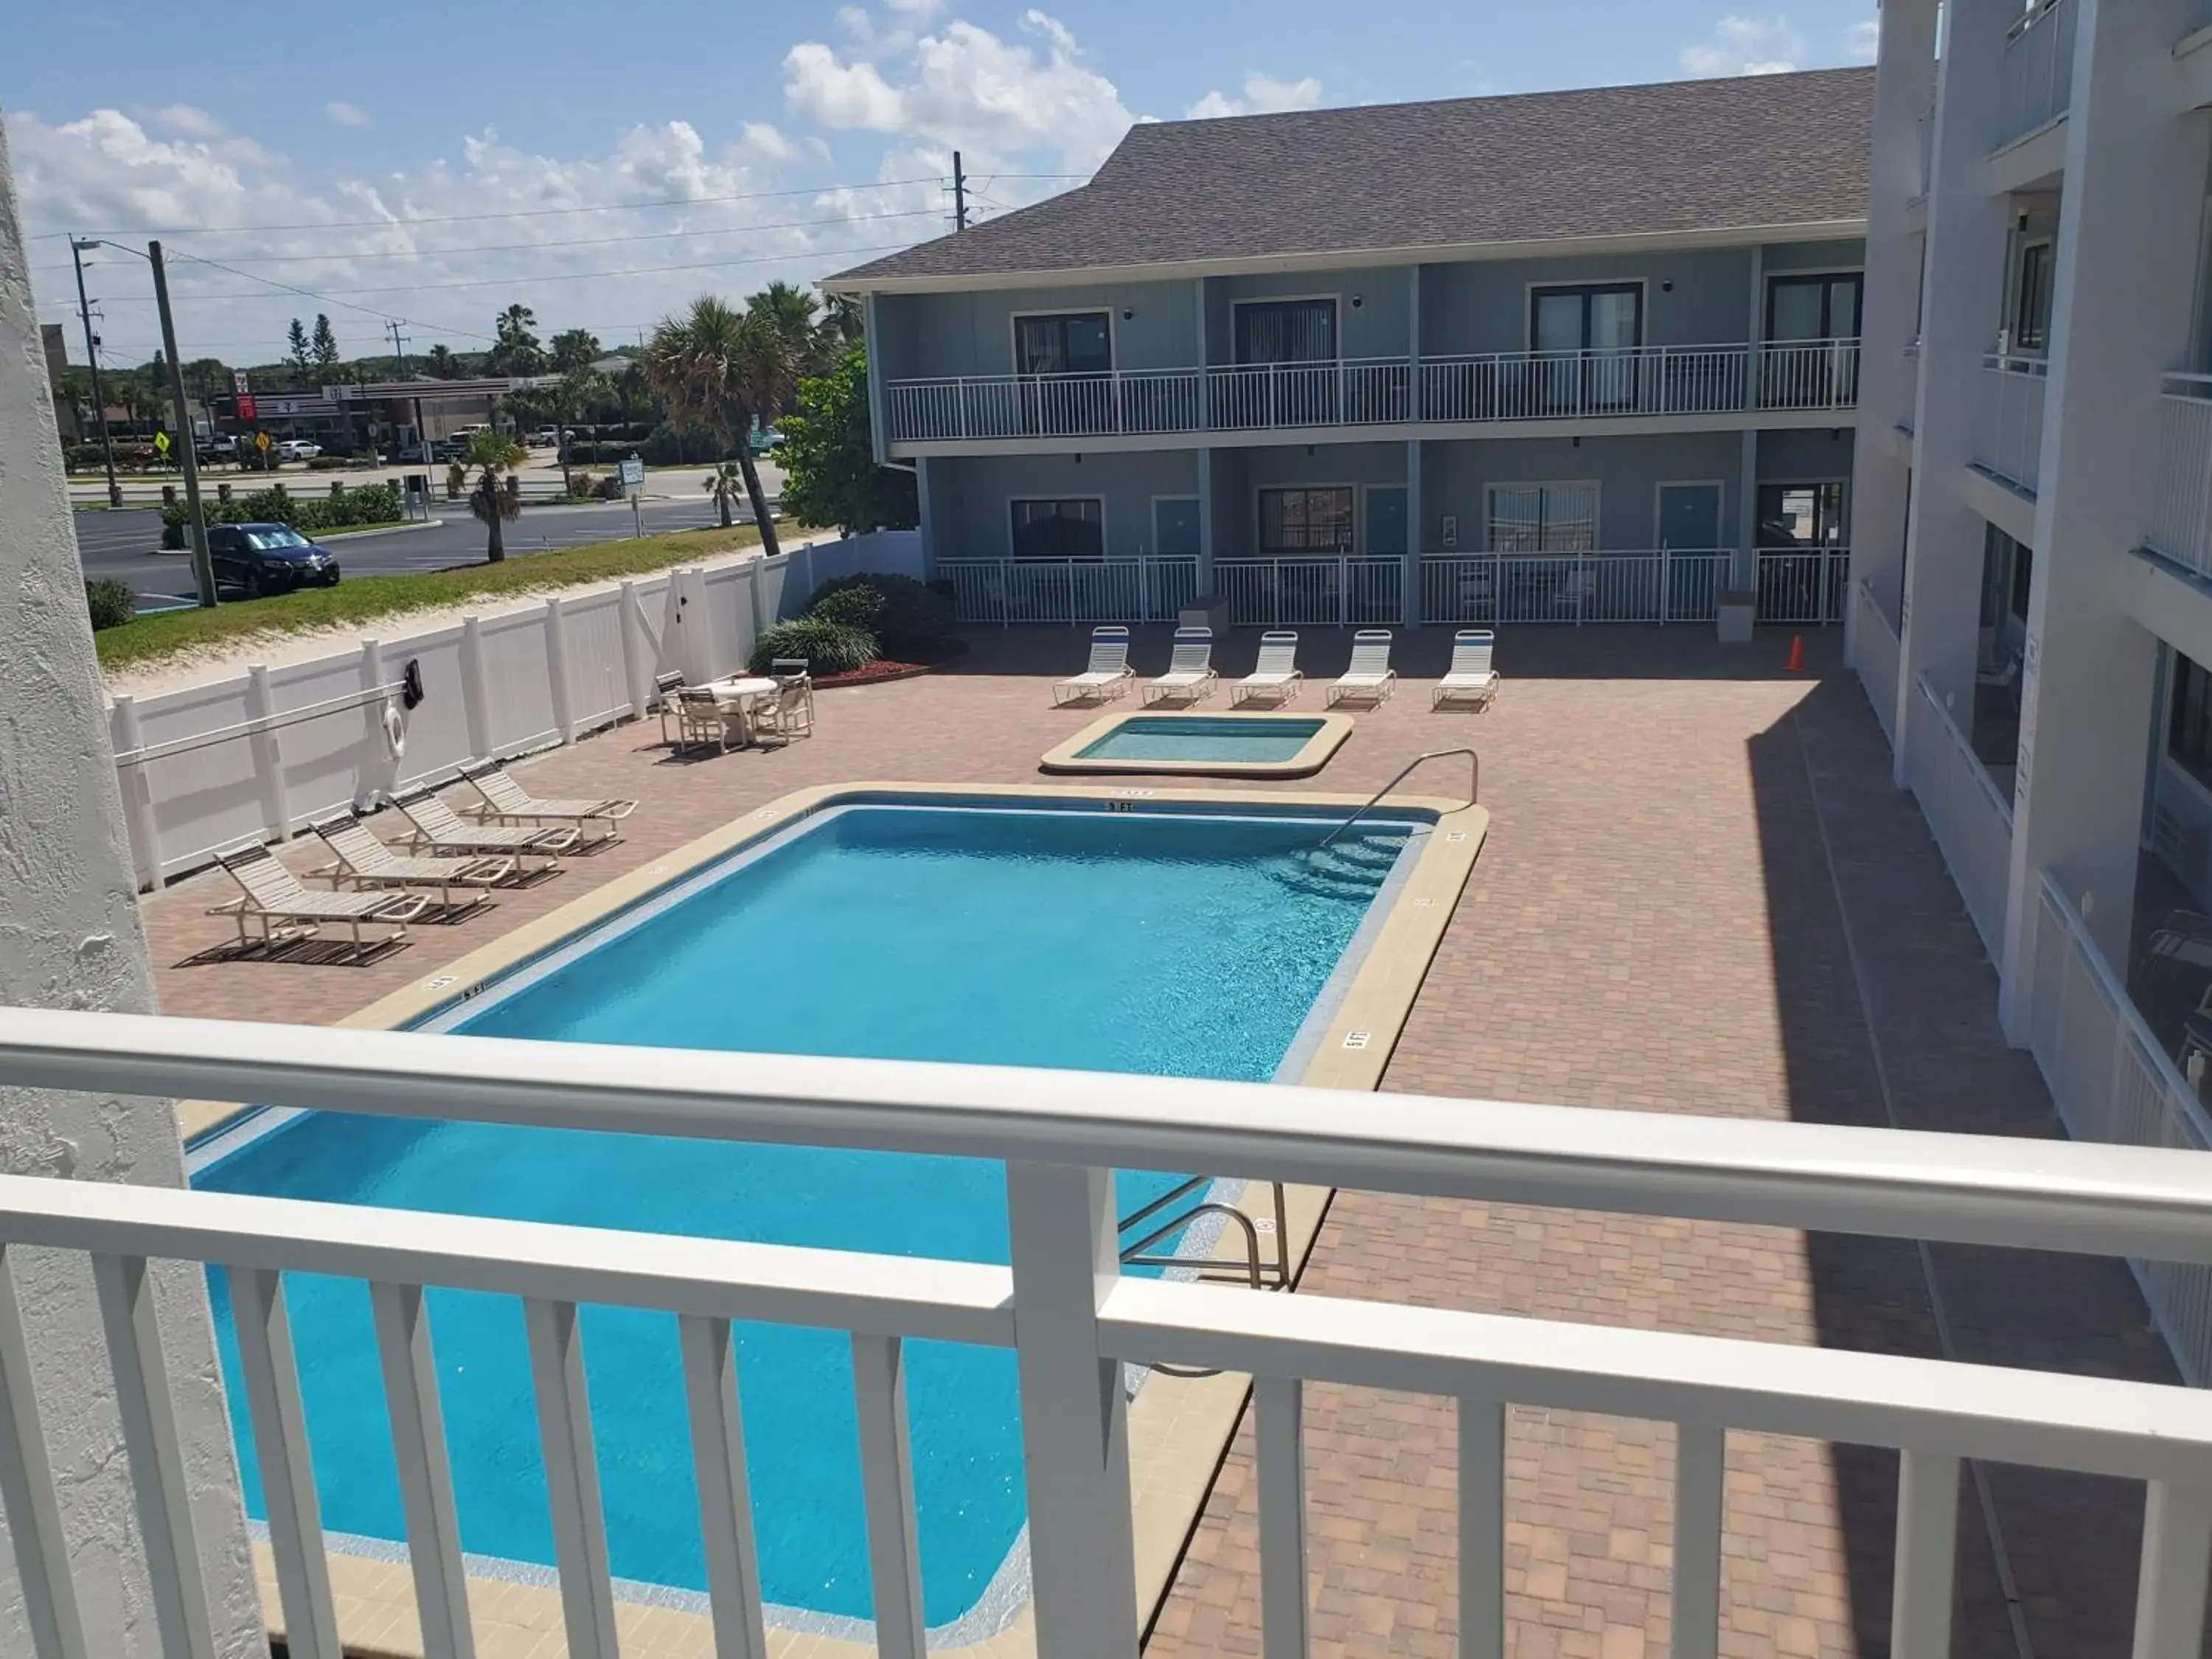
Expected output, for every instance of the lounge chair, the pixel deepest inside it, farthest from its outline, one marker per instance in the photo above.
(1276, 674)
(440, 829)
(364, 862)
(1107, 676)
(1472, 677)
(273, 901)
(505, 801)
(1370, 675)
(788, 711)
(1190, 675)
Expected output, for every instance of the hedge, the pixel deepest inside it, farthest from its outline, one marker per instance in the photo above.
(829, 648)
(912, 621)
(111, 602)
(360, 504)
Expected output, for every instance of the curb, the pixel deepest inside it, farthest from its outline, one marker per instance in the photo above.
(380, 529)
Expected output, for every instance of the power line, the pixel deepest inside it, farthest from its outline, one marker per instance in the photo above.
(395, 224)
(309, 294)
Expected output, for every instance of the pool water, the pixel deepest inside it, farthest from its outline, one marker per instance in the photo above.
(1249, 740)
(1133, 942)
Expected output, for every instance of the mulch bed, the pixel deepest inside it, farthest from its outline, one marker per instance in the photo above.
(882, 672)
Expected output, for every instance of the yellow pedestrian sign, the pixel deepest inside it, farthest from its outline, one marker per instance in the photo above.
(161, 442)
(261, 442)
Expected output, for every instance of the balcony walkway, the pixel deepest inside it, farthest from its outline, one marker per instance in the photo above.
(1689, 850)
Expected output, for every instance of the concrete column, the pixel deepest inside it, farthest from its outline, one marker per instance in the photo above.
(1413, 343)
(2121, 302)
(1747, 510)
(1940, 619)
(72, 938)
(1904, 91)
(922, 517)
(1409, 584)
(873, 335)
(1206, 521)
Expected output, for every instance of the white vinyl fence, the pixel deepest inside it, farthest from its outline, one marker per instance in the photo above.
(1875, 641)
(1970, 816)
(2111, 1082)
(267, 752)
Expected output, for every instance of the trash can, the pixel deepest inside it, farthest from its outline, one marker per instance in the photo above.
(1206, 611)
(1739, 607)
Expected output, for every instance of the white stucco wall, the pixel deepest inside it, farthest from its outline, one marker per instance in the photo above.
(70, 937)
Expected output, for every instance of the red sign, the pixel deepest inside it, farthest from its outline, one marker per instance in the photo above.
(245, 407)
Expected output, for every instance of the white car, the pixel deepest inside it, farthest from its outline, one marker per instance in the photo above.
(298, 449)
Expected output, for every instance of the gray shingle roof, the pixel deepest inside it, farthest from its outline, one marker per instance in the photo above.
(1681, 155)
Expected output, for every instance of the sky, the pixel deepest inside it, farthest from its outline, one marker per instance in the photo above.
(431, 163)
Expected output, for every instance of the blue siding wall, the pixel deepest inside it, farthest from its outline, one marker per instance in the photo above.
(1628, 472)
(1373, 307)
(970, 496)
(1804, 455)
(926, 335)
(1238, 474)
(1814, 256)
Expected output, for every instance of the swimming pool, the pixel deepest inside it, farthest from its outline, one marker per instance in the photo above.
(1203, 943)
(1211, 746)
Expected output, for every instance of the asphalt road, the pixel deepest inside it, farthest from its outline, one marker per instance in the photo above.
(126, 545)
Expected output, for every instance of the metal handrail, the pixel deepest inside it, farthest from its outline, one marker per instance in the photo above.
(1255, 1269)
(1473, 785)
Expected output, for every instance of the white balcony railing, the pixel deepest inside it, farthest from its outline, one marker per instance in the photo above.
(1073, 591)
(1875, 641)
(1311, 591)
(1970, 816)
(1514, 385)
(2008, 441)
(2181, 494)
(1072, 1330)
(2036, 78)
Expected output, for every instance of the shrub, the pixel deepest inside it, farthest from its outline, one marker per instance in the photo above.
(610, 488)
(856, 604)
(376, 504)
(829, 647)
(912, 620)
(457, 480)
(111, 602)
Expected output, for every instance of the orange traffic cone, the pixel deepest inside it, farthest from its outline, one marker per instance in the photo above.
(1796, 653)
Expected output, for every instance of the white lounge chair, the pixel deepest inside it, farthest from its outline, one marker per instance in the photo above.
(272, 900)
(364, 862)
(439, 830)
(1190, 677)
(1472, 677)
(1370, 675)
(1108, 674)
(505, 801)
(1276, 674)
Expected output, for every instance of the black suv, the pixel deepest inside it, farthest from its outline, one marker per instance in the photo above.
(254, 559)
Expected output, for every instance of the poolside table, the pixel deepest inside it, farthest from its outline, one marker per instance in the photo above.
(734, 698)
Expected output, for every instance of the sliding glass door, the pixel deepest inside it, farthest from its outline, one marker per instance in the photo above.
(1586, 339)
(1811, 358)
(1065, 362)
(1287, 357)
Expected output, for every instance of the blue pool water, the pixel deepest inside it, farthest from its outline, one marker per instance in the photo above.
(1255, 738)
(1136, 942)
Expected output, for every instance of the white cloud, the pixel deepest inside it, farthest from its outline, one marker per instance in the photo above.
(344, 114)
(185, 120)
(919, 10)
(1263, 95)
(1862, 40)
(964, 87)
(1746, 45)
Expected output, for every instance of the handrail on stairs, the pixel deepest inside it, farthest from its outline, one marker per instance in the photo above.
(1473, 786)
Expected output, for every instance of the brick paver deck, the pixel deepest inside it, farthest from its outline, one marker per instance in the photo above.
(1700, 894)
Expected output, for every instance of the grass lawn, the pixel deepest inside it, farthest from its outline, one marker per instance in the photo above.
(365, 598)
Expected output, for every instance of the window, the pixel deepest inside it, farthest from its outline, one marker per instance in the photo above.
(1286, 331)
(1817, 307)
(2031, 304)
(1589, 317)
(1074, 343)
(2189, 725)
(1306, 521)
(1069, 528)
(1543, 517)
(1801, 515)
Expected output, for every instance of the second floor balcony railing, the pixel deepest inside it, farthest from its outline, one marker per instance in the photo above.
(2037, 77)
(2181, 498)
(2008, 442)
(1509, 385)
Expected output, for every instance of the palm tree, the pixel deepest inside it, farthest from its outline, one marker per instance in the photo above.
(516, 350)
(498, 498)
(579, 393)
(792, 311)
(728, 368)
(843, 322)
(442, 364)
(723, 483)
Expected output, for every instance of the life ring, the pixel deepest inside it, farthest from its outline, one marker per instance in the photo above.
(395, 730)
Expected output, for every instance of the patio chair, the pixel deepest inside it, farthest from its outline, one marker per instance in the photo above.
(364, 862)
(1577, 593)
(1107, 676)
(1190, 675)
(665, 690)
(439, 830)
(1470, 677)
(788, 712)
(505, 801)
(1369, 674)
(1276, 674)
(272, 900)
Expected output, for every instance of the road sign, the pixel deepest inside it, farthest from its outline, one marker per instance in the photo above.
(161, 442)
(261, 442)
(238, 383)
(245, 410)
(631, 470)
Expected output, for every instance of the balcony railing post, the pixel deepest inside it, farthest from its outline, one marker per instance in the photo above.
(1064, 1255)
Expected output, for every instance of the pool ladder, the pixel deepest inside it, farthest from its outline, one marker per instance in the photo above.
(1256, 1269)
(1473, 786)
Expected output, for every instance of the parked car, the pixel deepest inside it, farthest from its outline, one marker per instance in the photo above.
(546, 437)
(222, 446)
(297, 449)
(765, 439)
(254, 559)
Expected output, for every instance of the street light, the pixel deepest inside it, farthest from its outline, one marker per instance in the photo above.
(79, 246)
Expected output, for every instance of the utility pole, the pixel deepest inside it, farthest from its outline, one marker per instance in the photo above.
(398, 351)
(195, 518)
(79, 246)
(959, 194)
